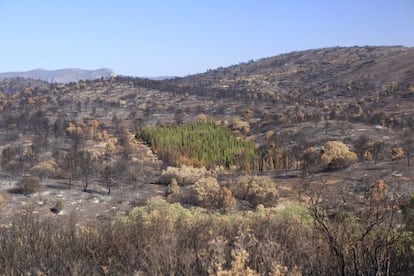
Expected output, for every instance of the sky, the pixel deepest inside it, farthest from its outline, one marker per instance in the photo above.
(180, 37)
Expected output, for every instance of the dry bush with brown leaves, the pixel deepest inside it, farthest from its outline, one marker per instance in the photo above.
(185, 175)
(48, 168)
(337, 155)
(204, 191)
(256, 189)
(173, 188)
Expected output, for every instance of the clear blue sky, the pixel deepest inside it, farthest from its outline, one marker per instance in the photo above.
(180, 37)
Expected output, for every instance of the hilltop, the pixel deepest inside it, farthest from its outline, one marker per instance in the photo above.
(62, 75)
(338, 71)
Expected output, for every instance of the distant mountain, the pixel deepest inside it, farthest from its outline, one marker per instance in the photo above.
(61, 76)
(160, 78)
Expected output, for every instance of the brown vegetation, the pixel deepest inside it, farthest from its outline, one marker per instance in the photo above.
(317, 189)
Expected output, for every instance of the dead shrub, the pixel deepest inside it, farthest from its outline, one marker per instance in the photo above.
(311, 158)
(378, 190)
(47, 168)
(397, 153)
(268, 134)
(240, 125)
(248, 114)
(225, 198)
(173, 188)
(28, 185)
(202, 118)
(256, 189)
(336, 155)
(205, 190)
(185, 175)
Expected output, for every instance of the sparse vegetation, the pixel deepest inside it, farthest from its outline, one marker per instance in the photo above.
(287, 165)
(163, 238)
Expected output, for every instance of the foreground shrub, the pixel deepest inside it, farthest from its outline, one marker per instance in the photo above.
(168, 239)
(256, 189)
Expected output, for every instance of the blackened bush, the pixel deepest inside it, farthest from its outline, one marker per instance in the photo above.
(28, 185)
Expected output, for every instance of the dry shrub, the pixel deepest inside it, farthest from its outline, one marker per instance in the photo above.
(48, 168)
(367, 155)
(110, 147)
(185, 160)
(397, 153)
(202, 118)
(225, 198)
(1, 200)
(282, 270)
(248, 113)
(173, 188)
(101, 135)
(28, 185)
(268, 134)
(378, 190)
(256, 189)
(337, 155)
(185, 175)
(240, 125)
(238, 265)
(73, 130)
(205, 190)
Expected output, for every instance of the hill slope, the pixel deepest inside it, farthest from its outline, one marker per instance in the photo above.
(335, 71)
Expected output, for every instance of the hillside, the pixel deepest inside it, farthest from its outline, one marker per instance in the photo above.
(328, 72)
(117, 175)
(61, 75)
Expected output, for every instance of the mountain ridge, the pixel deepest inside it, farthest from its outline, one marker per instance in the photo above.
(64, 75)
